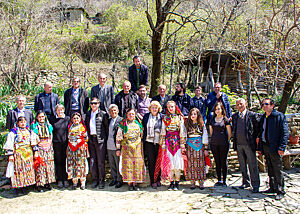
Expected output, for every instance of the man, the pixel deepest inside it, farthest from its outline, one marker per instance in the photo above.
(76, 99)
(46, 101)
(13, 115)
(183, 100)
(138, 74)
(96, 124)
(217, 96)
(244, 133)
(104, 92)
(126, 99)
(144, 102)
(162, 98)
(272, 143)
(111, 133)
(199, 101)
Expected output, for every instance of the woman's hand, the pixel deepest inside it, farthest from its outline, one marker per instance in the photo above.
(11, 158)
(118, 152)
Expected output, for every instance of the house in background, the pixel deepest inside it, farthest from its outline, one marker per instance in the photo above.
(67, 13)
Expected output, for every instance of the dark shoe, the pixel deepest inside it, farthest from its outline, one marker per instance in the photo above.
(224, 184)
(48, 186)
(279, 196)
(193, 187)
(218, 184)
(171, 187)
(66, 184)
(118, 185)
(269, 191)
(74, 187)
(158, 183)
(82, 187)
(101, 185)
(94, 184)
(176, 186)
(154, 185)
(201, 187)
(15, 192)
(112, 183)
(60, 184)
(39, 189)
(136, 188)
(130, 187)
(244, 186)
(23, 191)
(255, 190)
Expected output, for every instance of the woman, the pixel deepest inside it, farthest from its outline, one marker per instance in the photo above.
(43, 152)
(60, 143)
(129, 144)
(196, 143)
(220, 131)
(18, 148)
(152, 123)
(173, 137)
(77, 151)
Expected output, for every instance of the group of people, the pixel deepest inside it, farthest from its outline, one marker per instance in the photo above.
(168, 134)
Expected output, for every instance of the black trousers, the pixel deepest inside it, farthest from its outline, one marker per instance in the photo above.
(151, 151)
(97, 159)
(220, 153)
(274, 167)
(60, 155)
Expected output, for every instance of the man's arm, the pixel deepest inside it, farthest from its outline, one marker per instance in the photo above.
(284, 130)
(36, 103)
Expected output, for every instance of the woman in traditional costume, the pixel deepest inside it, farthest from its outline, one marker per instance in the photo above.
(173, 144)
(43, 152)
(196, 144)
(18, 148)
(77, 151)
(129, 145)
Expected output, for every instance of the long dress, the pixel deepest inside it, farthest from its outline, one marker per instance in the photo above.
(77, 165)
(21, 171)
(195, 153)
(132, 161)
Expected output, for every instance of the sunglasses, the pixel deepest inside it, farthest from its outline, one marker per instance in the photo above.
(94, 103)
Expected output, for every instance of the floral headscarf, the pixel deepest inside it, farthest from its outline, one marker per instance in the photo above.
(167, 118)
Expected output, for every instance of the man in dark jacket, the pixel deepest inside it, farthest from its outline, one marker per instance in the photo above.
(199, 101)
(96, 124)
(245, 130)
(126, 99)
(104, 92)
(217, 96)
(162, 98)
(183, 100)
(111, 132)
(46, 101)
(138, 74)
(76, 99)
(13, 115)
(272, 143)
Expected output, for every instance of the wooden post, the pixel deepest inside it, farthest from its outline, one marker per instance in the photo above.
(225, 70)
(286, 161)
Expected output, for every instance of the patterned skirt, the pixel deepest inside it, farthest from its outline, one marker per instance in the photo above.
(23, 171)
(45, 173)
(133, 165)
(196, 165)
(77, 163)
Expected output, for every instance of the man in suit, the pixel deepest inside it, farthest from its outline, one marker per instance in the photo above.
(13, 115)
(46, 101)
(138, 74)
(76, 99)
(111, 132)
(162, 97)
(96, 123)
(104, 92)
(245, 128)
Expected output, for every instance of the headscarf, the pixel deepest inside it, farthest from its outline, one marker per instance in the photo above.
(167, 118)
(124, 124)
(35, 126)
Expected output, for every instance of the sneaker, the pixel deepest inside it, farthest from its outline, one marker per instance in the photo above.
(176, 186)
(279, 196)
(171, 187)
(136, 188)
(218, 184)
(74, 187)
(39, 189)
(60, 184)
(66, 184)
(82, 187)
(130, 187)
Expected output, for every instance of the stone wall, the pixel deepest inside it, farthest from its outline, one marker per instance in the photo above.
(294, 123)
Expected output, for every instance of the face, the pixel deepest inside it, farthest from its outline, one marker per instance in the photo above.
(102, 79)
(60, 112)
(198, 92)
(21, 102)
(178, 88)
(217, 88)
(95, 105)
(171, 108)
(241, 105)
(22, 123)
(48, 88)
(143, 92)
(131, 115)
(113, 112)
(76, 119)
(41, 118)
(137, 62)
(76, 83)
(126, 87)
(162, 90)
(194, 116)
(266, 106)
(218, 110)
(154, 109)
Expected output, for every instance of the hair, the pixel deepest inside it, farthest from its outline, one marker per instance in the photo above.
(47, 83)
(162, 85)
(38, 113)
(113, 106)
(189, 122)
(155, 103)
(222, 107)
(95, 98)
(59, 106)
(136, 57)
(126, 81)
(102, 74)
(182, 85)
(218, 83)
(76, 114)
(198, 87)
(128, 110)
(21, 118)
(240, 100)
(271, 101)
(142, 86)
(19, 96)
(171, 102)
(74, 78)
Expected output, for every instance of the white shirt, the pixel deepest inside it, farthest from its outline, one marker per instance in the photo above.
(21, 113)
(93, 122)
(242, 114)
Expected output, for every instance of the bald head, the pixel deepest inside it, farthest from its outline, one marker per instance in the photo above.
(162, 89)
(102, 78)
(48, 87)
(126, 86)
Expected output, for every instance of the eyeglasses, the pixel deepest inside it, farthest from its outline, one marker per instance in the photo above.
(94, 103)
(265, 104)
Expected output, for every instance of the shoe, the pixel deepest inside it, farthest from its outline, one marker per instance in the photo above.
(255, 190)
(39, 189)
(118, 185)
(201, 187)
(193, 187)
(224, 184)
(60, 184)
(74, 187)
(101, 185)
(48, 186)
(269, 191)
(158, 183)
(136, 188)
(82, 187)
(94, 184)
(15, 192)
(244, 186)
(66, 184)
(218, 184)
(171, 187)
(130, 187)
(112, 183)
(279, 196)
(176, 186)
(154, 185)
(23, 191)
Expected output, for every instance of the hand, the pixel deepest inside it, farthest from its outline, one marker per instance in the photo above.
(11, 158)
(205, 153)
(118, 153)
(280, 152)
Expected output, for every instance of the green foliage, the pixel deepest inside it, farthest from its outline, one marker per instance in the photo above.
(231, 95)
(4, 108)
(3, 136)
(116, 13)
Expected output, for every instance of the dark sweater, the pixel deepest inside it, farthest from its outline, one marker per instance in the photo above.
(60, 129)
